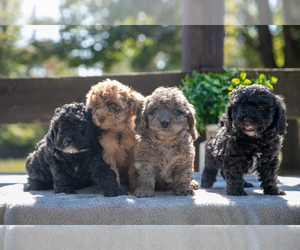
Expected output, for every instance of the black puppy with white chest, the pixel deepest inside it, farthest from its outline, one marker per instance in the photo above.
(249, 138)
(69, 157)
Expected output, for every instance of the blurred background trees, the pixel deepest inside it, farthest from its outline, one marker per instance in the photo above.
(89, 50)
(97, 49)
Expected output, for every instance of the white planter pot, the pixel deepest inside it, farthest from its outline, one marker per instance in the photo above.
(201, 155)
(210, 129)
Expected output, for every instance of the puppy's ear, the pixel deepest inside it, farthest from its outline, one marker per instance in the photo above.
(280, 115)
(52, 132)
(228, 119)
(135, 102)
(89, 99)
(192, 122)
(57, 111)
(89, 113)
(51, 140)
(51, 136)
(141, 120)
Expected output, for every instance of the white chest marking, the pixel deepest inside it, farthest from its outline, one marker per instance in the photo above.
(254, 162)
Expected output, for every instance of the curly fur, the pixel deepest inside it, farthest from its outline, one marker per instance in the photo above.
(114, 108)
(164, 153)
(249, 138)
(69, 157)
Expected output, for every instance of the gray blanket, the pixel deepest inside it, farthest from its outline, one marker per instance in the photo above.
(208, 207)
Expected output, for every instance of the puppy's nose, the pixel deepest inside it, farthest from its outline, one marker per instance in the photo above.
(67, 141)
(101, 119)
(164, 123)
(247, 120)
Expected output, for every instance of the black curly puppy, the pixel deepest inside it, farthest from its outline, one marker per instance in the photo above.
(69, 157)
(249, 138)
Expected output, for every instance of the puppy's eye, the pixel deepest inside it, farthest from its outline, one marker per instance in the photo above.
(177, 112)
(80, 125)
(153, 111)
(261, 107)
(113, 106)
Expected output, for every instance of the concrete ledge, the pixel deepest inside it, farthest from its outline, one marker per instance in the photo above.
(149, 237)
(208, 207)
(12, 178)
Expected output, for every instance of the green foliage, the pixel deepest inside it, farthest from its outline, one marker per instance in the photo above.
(8, 51)
(125, 48)
(122, 48)
(209, 92)
(18, 140)
(130, 48)
(9, 11)
(118, 12)
(260, 46)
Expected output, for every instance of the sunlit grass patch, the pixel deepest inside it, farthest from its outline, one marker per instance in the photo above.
(12, 165)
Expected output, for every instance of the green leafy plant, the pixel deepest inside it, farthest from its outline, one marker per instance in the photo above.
(209, 92)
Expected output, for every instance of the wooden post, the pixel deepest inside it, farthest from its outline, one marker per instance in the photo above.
(291, 151)
(202, 47)
(202, 40)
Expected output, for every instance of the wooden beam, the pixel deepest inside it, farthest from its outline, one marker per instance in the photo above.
(34, 100)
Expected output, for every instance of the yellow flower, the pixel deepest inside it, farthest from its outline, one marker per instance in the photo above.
(274, 79)
(247, 82)
(243, 75)
(236, 81)
(261, 76)
(270, 85)
(230, 88)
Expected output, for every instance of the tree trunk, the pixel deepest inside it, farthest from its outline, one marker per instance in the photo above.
(265, 47)
(291, 51)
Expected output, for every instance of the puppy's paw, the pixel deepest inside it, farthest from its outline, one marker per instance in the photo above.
(248, 184)
(206, 184)
(194, 184)
(144, 193)
(183, 192)
(113, 193)
(66, 190)
(274, 191)
(36, 186)
(236, 192)
(30, 187)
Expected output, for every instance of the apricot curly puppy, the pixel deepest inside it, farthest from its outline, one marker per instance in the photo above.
(114, 107)
(164, 152)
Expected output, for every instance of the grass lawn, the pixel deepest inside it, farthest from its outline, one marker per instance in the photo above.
(12, 165)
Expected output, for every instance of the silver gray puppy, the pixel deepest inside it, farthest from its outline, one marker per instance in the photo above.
(164, 153)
